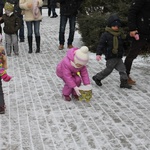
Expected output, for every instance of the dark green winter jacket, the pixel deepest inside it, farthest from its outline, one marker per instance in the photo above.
(11, 23)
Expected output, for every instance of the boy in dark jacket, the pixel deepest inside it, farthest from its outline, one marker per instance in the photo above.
(12, 24)
(111, 44)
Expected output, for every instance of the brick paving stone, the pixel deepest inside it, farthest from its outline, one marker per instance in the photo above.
(37, 117)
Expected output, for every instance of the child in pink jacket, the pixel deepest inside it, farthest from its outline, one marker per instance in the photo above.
(72, 70)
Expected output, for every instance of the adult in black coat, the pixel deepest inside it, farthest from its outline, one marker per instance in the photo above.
(68, 11)
(139, 25)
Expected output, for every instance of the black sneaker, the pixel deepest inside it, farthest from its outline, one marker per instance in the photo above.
(21, 40)
(98, 82)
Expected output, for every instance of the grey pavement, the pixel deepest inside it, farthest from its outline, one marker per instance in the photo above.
(37, 117)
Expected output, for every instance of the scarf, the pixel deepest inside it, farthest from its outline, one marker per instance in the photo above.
(35, 9)
(115, 38)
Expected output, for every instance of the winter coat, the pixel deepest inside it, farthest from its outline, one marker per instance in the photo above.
(105, 46)
(139, 17)
(28, 12)
(66, 71)
(11, 23)
(69, 7)
(51, 3)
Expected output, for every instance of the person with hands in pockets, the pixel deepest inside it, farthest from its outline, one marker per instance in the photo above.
(73, 71)
(111, 45)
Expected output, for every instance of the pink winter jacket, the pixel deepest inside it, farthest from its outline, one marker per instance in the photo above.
(66, 71)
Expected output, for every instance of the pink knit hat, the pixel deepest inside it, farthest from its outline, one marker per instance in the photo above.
(81, 56)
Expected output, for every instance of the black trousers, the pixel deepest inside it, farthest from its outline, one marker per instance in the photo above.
(2, 103)
(135, 49)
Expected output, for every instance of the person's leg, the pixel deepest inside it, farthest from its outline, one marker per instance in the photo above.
(37, 35)
(135, 49)
(110, 65)
(77, 80)
(8, 44)
(21, 31)
(120, 67)
(15, 43)
(63, 22)
(29, 33)
(72, 22)
(2, 102)
(1, 10)
(54, 15)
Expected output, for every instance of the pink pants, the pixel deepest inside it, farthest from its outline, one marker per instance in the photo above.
(67, 90)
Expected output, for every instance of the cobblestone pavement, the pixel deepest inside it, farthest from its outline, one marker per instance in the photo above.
(37, 117)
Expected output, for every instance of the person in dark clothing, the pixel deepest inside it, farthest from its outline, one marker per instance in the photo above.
(68, 11)
(2, 102)
(139, 24)
(1, 7)
(111, 45)
(51, 8)
(18, 12)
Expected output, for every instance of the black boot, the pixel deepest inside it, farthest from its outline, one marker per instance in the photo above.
(30, 44)
(124, 84)
(37, 38)
(98, 82)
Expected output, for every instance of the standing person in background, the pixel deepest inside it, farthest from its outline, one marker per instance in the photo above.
(12, 24)
(1, 7)
(33, 17)
(68, 11)
(51, 8)
(18, 12)
(139, 26)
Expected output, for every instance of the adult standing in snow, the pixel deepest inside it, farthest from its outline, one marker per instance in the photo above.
(33, 17)
(51, 8)
(139, 25)
(68, 11)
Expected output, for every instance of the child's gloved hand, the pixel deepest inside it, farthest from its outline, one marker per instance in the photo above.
(98, 57)
(6, 77)
(77, 90)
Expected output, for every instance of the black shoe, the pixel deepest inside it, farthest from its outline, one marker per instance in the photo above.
(124, 84)
(54, 16)
(98, 82)
(21, 40)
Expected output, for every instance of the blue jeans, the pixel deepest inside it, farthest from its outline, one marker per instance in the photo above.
(63, 22)
(36, 25)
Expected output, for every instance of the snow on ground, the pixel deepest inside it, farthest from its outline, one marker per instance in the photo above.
(37, 117)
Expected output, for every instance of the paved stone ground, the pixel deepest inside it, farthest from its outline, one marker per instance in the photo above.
(37, 117)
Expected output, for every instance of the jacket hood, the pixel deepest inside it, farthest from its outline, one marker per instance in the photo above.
(71, 53)
(113, 20)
